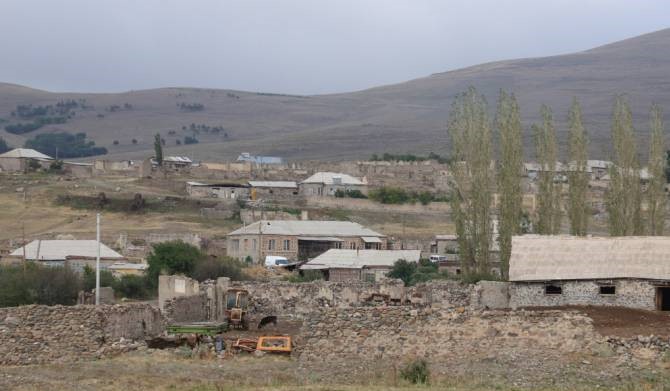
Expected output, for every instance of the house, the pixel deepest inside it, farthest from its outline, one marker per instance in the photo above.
(261, 190)
(247, 157)
(328, 183)
(603, 271)
(175, 162)
(532, 171)
(444, 244)
(73, 253)
(300, 240)
(598, 168)
(19, 159)
(358, 265)
(229, 191)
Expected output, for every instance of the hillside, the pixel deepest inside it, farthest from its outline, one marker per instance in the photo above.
(405, 117)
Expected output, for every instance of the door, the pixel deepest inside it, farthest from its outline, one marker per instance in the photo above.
(663, 298)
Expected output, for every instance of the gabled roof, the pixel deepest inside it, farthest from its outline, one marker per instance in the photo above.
(308, 228)
(276, 184)
(178, 159)
(247, 157)
(25, 153)
(545, 258)
(358, 259)
(59, 250)
(329, 178)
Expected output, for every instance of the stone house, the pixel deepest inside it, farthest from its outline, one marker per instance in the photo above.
(228, 191)
(255, 159)
(328, 183)
(272, 190)
(341, 265)
(73, 253)
(299, 240)
(607, 271)
(19, 160)
(444, 244)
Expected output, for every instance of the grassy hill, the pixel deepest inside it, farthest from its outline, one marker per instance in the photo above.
(405, 117)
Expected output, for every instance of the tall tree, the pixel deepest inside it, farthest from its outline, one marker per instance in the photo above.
(549, 192)
(158, 149)
(473, 178)
(624, 195)
(508, 123)
(578, 180)
(3, 145)
(656, 198)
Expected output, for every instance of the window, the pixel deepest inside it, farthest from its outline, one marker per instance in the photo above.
(253, 244)
(352, 245)
(235, 245)
(607, 290)
(246, 244)
(271, 244)
(337, 245)
(553, 290)
(287, 245)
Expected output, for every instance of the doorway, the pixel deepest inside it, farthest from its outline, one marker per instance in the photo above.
(663, 298)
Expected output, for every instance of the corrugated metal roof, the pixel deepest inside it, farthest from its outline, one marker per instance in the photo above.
(371, 239)
(282, 184)
(328, 179)
(177, 159)
(247, 157)
(25, 153)
(357, 259)
(307, 228)
(55, 250)
(543, 258)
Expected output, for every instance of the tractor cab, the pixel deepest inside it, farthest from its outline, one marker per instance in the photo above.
(236, 308)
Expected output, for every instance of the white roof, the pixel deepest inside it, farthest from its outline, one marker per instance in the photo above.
(283, 184)
(599, 163)
(327, 179)
(446, 237)
(308, 228)
(177, 159)
(358, 259)
(58, 250)
(26, 154)
(544, 258)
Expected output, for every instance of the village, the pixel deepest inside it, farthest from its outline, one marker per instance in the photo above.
(316, 247)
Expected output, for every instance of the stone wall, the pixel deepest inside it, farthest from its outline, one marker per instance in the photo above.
(346, 340)
(300, 300)
(629, 293)
(46, 334)
(186, 309)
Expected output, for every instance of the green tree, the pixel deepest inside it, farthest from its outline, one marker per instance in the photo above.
(403, 270)
(158, 149)
(549, 192)
(578, 180)
(624, 195)
(473, 179)
(174, 257)
(3, 145)
(508, 123)
(88, 278)
(656, 198)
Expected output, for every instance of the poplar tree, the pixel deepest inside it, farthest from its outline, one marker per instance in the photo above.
(549, 192)
(624, 195)
(508, 123)
(472, 192)
(656, 198)
(158, 149)
(578, 180)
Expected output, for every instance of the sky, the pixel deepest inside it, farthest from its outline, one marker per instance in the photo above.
(293, 46)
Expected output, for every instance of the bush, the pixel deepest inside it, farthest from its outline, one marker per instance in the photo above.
(65, 145)
(56, 166)
(389, 195)
(132, 287)
(36, 284)
(416, 372)
(175, 257)
(88, 278)
(212, 268)
(190, 140)
(305, 276)
(412, 273)
(339, 193)
(403, 270)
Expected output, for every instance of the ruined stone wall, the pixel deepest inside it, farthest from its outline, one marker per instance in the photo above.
(301, 299)
(629, 293)
(47, 334)
(345, 339)
(186, 309)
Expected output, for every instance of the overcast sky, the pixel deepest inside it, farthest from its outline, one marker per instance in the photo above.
(293, 46)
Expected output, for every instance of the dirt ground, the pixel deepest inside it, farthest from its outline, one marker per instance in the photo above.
(627, 322)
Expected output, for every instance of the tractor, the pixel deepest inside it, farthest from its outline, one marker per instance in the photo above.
(236, 308)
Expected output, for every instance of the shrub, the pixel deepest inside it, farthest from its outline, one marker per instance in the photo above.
(416, 372)
(65, 144)
(175, 257)
(88, 278)
(212, 268)
(389, 195)
(116, 142)
(3, 145)
(36, 284)
(403, 270)
(190, 140)
(305, 276)
(132, 287)
(56, 166)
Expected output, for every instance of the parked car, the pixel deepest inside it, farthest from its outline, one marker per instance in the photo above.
(437, 258)
(274, 261)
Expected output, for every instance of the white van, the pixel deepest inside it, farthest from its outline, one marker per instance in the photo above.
(437, 258)
(273, 261)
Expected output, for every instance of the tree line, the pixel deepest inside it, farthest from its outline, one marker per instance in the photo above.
(476, 175)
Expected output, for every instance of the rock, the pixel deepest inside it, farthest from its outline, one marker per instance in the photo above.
(11, 321)
(19, 189)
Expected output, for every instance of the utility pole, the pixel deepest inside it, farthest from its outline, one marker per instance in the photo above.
(23, 239)
(97, 260)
